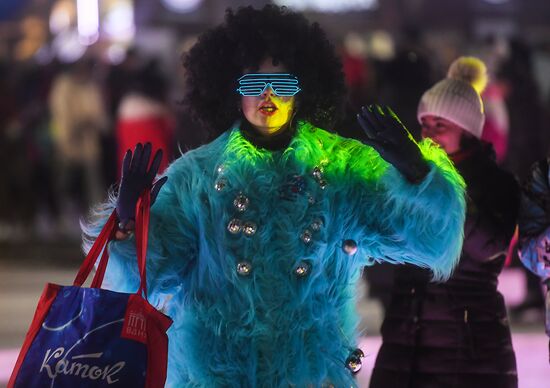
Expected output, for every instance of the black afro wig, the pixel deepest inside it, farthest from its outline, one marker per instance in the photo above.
(243, 41)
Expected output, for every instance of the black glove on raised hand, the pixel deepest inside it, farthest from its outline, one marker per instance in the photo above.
(387, 135)
(135, 179)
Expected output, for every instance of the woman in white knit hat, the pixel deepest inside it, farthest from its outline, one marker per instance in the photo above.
(456, 334)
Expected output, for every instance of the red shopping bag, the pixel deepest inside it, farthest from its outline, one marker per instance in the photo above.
(90, 337)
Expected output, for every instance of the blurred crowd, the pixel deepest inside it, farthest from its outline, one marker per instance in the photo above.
(65, 127)
(62, 126)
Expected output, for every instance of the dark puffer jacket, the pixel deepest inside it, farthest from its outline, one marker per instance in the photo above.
(456, 334)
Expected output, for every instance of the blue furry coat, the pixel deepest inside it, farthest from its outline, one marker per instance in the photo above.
(255, 253)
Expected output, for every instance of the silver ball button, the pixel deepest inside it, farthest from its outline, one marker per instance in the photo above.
(244, 268)
(220, 184)
(306, 236)
(302, 269)
(354, 364)
(241, 202)
(316, 225)
(234, 226)
(249, 228)
(349, 247)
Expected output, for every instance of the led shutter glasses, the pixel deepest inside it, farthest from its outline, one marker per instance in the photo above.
(254, 84)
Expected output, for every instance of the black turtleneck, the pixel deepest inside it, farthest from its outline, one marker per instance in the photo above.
(276, 142)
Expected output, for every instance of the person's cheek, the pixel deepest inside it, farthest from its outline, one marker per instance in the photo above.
(288, 106)
(248, 107)
(285, 110)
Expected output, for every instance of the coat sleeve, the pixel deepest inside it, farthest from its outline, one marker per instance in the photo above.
(535, 254)
(172, 242)
(534, 222)
(492, 214)
(420, 224)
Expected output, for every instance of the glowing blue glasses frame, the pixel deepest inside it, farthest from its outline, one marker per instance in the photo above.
(282, 84)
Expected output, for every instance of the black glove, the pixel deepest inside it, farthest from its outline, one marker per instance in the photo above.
(135, 179)
(387, 135)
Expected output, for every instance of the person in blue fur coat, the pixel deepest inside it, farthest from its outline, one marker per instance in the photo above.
(258, 238)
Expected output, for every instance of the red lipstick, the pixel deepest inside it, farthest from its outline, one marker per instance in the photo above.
(267, 108)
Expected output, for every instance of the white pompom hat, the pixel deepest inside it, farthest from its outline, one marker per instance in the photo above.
(457, 97)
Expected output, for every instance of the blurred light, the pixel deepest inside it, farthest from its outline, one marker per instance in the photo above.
(34, 34)
(59, 21)
(67, 46)
(355, 45)
(496, 1)
(118, 22)
(25, 49)
(329, 5)
(62, 16)
(88, 21)
(381, 45)
(34, 28)
(181, 6)
(116, 53)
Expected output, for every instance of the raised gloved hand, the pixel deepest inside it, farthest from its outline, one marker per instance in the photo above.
(135, 179)
(387, 135)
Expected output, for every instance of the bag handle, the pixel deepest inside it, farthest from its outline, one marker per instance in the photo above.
(141, 234)
(107, 234)
(100, 243)
(142, 237)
